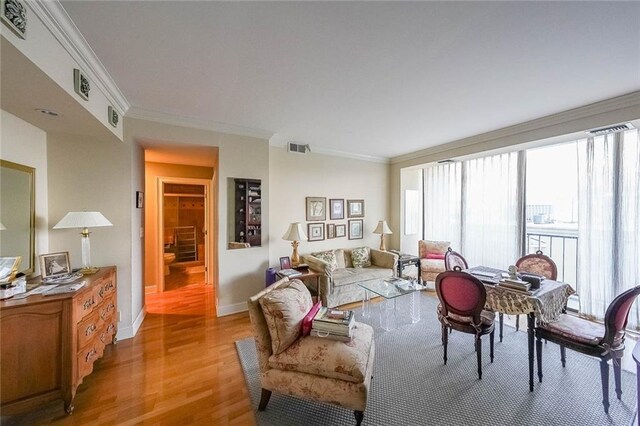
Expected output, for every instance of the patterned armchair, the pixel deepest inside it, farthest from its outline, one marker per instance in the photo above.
(432, 258)
(307, 367)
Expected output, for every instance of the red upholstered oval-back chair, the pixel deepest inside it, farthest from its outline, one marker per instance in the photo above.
(603, 341)
(537, 263)
(453, 259)
(462, 298)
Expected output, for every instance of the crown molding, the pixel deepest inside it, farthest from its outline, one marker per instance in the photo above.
(337, 153)
(607, 106)
(176, 120)
(60, 25)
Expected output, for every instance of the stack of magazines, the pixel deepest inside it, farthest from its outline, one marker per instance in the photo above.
(333, 324)
(515, 284)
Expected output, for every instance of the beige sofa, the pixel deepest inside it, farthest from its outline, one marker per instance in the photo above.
(339, 282)
(430, 268)
(312, 368)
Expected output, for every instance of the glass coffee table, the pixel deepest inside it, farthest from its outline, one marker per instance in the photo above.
(391, 289)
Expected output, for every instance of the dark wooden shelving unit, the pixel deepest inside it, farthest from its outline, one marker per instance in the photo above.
(248, 211)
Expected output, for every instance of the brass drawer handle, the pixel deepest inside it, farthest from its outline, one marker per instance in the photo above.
(90, 354)
(89, 331)
(88, 303)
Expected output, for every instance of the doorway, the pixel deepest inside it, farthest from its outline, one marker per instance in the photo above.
(183, 210)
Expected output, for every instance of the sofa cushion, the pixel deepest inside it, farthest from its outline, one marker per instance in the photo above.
(348, 263)
(355, 275)
(427, 246)
(328, 256)
(329, 358)
(432, 265)
(486, 317)
(284, 309)
(361, 257)
(580, 330)
(340, 260)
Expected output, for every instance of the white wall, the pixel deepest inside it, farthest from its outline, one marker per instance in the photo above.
(22, 143)
(85, 174)
(137, 238)
(294, 177)
(240, 272)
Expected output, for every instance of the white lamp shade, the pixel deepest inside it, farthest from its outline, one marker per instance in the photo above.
(382, 228)
(295, 233)
(83, 220)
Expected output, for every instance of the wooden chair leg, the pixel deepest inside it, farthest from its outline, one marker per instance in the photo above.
(501, 324)
(479, 353)
(517, 322)
(491, 345)
(264, 399)
(445, 341)
(539, 356)
(359, 416)
(563, 356)
(604, 375)
(617, 376)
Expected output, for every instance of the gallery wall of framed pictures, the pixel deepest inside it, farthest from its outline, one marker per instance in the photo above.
(320, 209)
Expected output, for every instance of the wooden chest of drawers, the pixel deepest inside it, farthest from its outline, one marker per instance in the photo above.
(48, 344)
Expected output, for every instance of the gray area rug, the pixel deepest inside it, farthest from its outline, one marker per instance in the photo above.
(412, 386)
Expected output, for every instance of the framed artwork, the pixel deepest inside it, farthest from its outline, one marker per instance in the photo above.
(316, 208)
(355, 229)
(315, 231)
(54, 264)
(285, 262)
(331, 230)
(341, 231)
(14, 15)
(336, 209)
(139, 199)
(355, 208)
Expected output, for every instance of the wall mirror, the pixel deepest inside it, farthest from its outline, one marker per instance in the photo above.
(17, 213)
(245, 213)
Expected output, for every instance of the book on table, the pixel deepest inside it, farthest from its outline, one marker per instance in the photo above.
(331, 336)
(343, 326)
(289, 273)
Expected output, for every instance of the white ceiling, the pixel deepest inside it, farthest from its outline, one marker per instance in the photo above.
(371, 78)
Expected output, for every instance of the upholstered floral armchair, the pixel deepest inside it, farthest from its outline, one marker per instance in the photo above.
(432, 258)
(307, 367)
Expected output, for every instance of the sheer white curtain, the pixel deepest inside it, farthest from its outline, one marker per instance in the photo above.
(442, 203)
(493, 210)
(608, 221)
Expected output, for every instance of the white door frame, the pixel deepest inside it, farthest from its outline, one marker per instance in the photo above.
(208, 224)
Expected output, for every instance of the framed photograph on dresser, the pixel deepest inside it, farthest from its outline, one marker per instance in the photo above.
(54, 264)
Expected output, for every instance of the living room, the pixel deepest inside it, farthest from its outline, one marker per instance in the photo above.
(82, 162)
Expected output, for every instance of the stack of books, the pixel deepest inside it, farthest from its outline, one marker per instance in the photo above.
(289, 273)
(515, 284)
(333, 324)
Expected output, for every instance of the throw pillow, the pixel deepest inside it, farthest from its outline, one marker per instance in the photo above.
(361, 257)
(435, 256)
(284, 309)
(328, 256)
(307, 321)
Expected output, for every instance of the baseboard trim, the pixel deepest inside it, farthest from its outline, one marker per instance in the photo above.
(130, 331)
(232, 309)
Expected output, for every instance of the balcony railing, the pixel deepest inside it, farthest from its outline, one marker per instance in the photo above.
(560, 243)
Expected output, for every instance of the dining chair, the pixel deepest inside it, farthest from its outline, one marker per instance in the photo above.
(536, 263)
(452, 259)
(462, 299)
(603, 341)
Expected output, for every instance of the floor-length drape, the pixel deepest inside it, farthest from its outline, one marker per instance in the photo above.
(608, 221)
(442, 203)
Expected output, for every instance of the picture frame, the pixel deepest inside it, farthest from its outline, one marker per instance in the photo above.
(355, 208)
(315, 231)
(14, 15)
(331, 231)
(139, 199)
(341, 230)
(336, 208)
(285, 262)
(316, 208)
(355, 229)
(53, 264)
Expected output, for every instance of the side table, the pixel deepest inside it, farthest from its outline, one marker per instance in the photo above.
(409, 259)
(304, 275)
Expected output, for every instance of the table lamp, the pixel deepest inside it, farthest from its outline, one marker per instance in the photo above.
(382, 229)
(84, 220)
(295, 233)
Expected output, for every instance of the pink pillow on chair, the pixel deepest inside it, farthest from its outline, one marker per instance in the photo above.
(307, 321)
(435, 256)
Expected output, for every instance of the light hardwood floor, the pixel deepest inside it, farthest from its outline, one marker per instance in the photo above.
(181, 368)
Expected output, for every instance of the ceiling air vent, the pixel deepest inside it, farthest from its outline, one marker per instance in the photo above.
(298, 148)
(610, 129)
(447, 161)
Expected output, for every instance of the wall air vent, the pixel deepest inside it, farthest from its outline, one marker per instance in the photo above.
(609, 129)
(298, 148)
